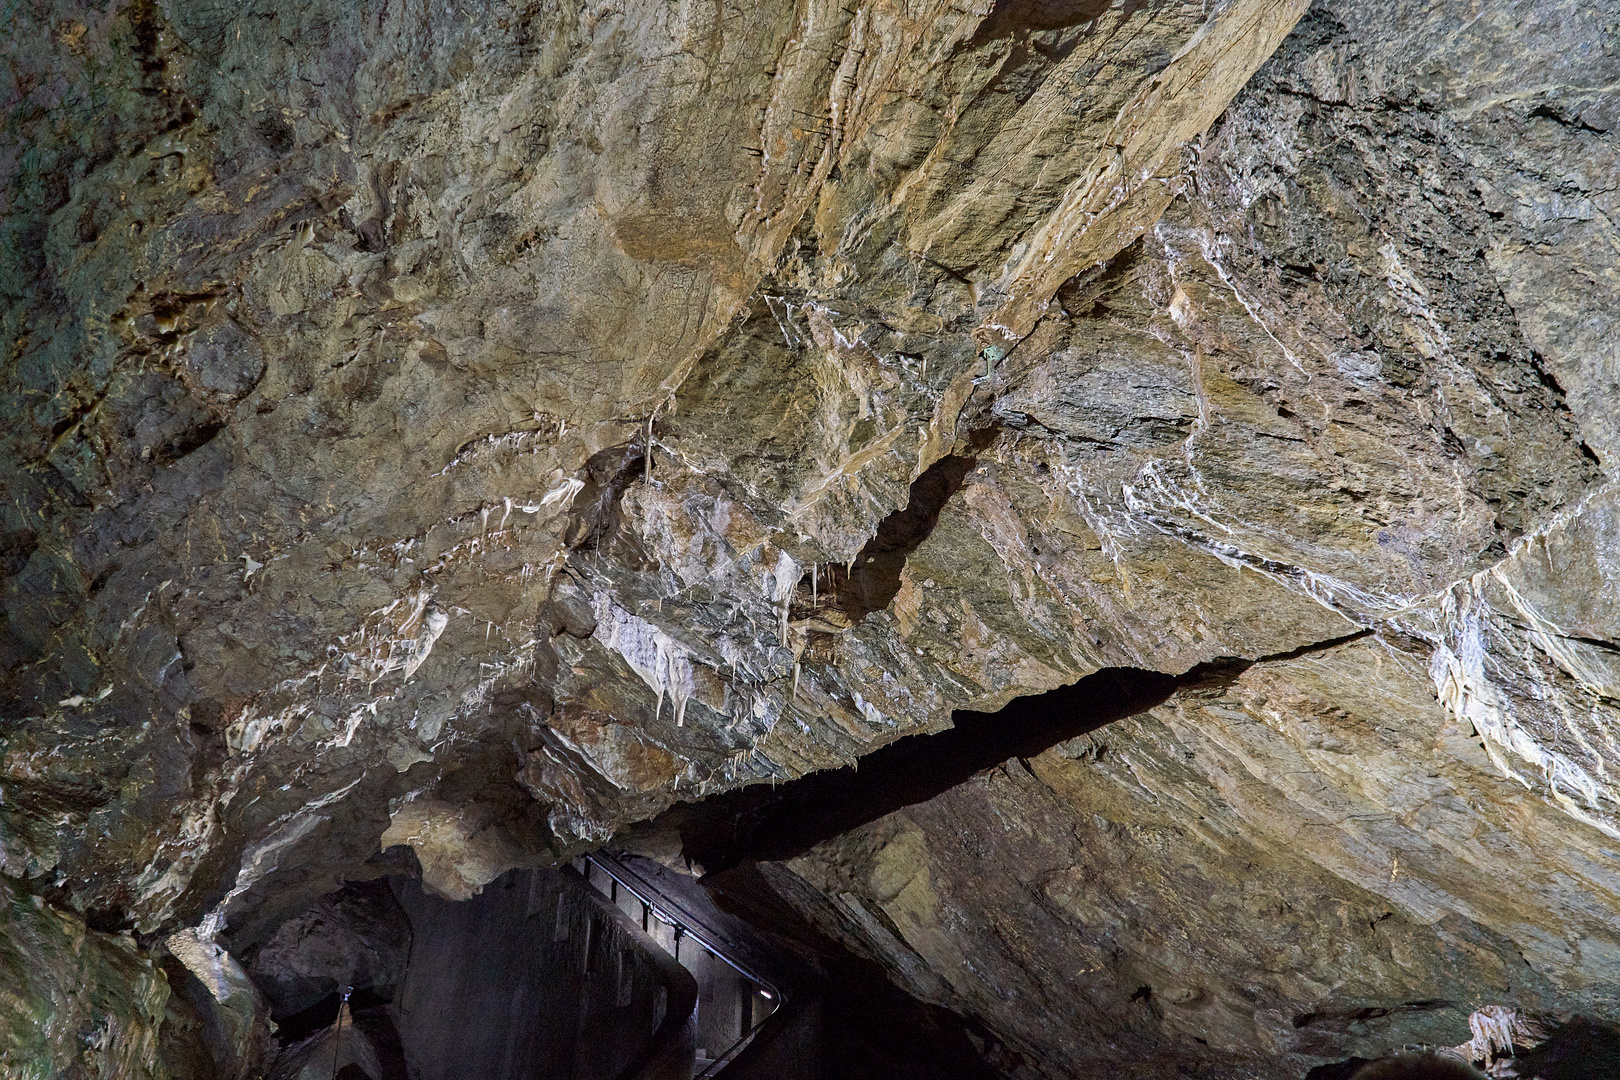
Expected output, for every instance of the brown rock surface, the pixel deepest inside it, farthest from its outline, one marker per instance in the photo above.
(481, 429)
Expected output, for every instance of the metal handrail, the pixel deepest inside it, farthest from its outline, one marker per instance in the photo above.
(662, 907)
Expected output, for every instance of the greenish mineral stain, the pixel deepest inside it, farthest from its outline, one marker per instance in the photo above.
(74, 1001)
(992, 354)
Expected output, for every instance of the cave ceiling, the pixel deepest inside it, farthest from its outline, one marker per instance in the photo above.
(483, 427)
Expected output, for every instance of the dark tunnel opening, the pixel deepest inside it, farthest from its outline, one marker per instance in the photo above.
(368, 1013)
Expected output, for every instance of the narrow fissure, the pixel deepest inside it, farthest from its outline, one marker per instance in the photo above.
(772, 823)
(842, 595)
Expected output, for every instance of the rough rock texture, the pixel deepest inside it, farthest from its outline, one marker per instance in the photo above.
(358, 938)
(94, 1005)
(485, 428)
(1321, 371)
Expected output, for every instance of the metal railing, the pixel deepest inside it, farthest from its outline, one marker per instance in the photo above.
(686, 923)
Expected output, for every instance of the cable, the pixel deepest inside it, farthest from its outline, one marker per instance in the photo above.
(337, 1041)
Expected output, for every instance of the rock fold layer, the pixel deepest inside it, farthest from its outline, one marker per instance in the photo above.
(467, 429)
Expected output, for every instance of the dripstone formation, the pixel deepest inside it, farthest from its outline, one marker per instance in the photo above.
(450, 435)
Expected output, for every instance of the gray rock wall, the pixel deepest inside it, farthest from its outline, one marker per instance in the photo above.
(461, 428)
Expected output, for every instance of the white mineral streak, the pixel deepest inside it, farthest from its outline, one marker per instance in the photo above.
(1414, 298)
(784, 319)
(873, 715)
(432, 626)
(607, 764)
(785, 578)
(1554, 642)
(1461, 670)
(1164, 502)
(168, 874)
(249, 730)
(389, 641)
(352, 722)
(1462, 665)
(213, 966)
(511, 440)
(1495, 1029)
(744, 657)
(1469, 677)
(79, 699)
(1211, 247)
(562, 495)
(662, 662)
(262, 859)
(1492, 1028)
(519, 658)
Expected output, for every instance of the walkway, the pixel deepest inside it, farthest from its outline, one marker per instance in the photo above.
(736, 996)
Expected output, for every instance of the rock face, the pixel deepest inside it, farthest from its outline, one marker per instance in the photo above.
(485, 429)
(77, 980)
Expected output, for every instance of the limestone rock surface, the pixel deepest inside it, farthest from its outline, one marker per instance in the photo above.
(479, 429)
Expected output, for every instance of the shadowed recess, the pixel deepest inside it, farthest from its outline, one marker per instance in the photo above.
(1583, 1049)
(771, 823)
(765, 822)
(841, 595)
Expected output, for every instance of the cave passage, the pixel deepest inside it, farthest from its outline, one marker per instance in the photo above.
(762, 822)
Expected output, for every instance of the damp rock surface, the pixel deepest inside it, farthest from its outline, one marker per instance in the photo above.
(478, 431)
(95, 1004)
